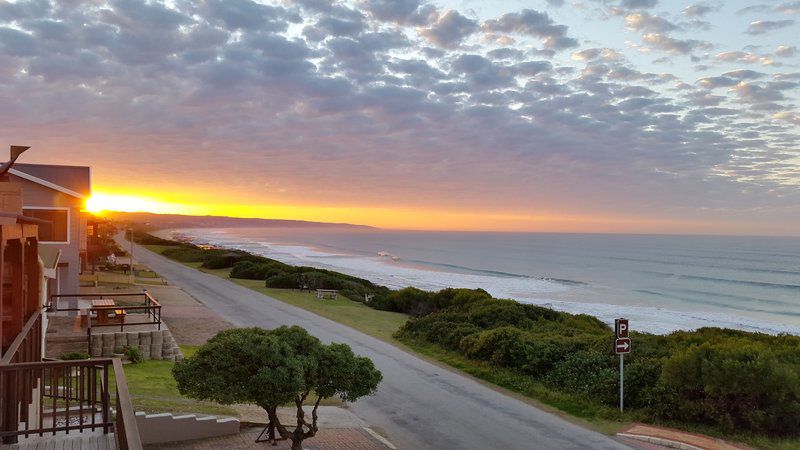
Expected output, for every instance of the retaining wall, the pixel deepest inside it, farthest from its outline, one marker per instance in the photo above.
(158, 345)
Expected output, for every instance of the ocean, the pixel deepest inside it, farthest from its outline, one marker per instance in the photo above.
(661, 283)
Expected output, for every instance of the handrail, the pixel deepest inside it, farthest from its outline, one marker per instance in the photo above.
(22, 337)
(51, 397)
(126, 428)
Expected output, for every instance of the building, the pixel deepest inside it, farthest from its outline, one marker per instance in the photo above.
(45, 403)
(57, 195)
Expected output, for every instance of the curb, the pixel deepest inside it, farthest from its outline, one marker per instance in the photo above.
(660, 441)
(382, 439)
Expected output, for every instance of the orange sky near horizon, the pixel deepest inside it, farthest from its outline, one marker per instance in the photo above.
(406, 218)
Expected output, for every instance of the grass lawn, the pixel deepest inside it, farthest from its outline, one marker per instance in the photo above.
(153, 389)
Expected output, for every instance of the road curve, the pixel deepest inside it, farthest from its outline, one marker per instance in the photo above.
(419, 405)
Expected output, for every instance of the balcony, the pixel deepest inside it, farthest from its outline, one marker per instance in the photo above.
(62, 401)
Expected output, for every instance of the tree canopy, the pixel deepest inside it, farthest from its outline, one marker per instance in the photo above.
(271, 368)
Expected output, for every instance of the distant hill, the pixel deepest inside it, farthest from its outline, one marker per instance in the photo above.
(160, 221)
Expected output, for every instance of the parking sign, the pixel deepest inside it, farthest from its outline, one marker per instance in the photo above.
(621, 328)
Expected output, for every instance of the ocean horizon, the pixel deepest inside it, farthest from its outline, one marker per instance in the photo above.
(662, 283)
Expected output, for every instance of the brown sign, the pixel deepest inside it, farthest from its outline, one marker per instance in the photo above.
(621, 328)
(622, 345)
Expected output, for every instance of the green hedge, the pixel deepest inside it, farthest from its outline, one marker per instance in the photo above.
(727, 379)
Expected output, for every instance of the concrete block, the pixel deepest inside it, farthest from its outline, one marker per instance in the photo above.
(158, 428)
(120, 340)
(155, 351)
(156, 338)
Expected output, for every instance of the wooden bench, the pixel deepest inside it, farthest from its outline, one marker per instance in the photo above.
(330, 293)
(119, 316)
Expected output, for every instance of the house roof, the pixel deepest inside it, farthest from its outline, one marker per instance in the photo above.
(71, 180)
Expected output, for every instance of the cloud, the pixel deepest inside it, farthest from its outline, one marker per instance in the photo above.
(744, 74)
(533, 23)
(786, 51)
(765, 26)
(648, 24)
(329, 89)
(672, 45)
(698, 10)
(404, 12)
(639, 4)
(744, 57)
(789, 7)
(450, 30)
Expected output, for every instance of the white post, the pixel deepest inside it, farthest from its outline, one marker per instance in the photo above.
(621, 381)
(132, 277)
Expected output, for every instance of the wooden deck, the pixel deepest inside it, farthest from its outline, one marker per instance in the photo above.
(82, 441)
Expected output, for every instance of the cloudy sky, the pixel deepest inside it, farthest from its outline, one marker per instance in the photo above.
(550, 115)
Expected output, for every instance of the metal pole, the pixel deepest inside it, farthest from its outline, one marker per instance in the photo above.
(132, 278)
(621, 381)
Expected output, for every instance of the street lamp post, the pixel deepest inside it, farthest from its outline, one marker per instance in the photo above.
(131, 276)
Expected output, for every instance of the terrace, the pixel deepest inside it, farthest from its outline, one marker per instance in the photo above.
(79, 318)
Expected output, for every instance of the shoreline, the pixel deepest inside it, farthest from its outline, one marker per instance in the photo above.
(650, 319)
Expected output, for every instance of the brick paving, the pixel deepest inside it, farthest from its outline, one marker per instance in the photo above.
(326, 439)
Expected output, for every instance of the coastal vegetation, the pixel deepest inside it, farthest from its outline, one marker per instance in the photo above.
(271, 368)
(718, 381)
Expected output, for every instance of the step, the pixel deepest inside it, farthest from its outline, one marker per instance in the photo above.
(71, 441)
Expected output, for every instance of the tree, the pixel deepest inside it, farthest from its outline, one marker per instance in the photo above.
(272, 368)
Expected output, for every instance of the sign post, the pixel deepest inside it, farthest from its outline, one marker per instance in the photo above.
(622, 345)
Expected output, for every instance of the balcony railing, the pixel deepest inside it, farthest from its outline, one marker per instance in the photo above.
(147, 312)
(64, 397)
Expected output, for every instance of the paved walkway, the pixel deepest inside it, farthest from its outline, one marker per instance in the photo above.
(670, 438)
(326, 439)
(418, 404)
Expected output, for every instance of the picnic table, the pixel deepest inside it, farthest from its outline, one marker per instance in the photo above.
(101, 306)
(330, 293)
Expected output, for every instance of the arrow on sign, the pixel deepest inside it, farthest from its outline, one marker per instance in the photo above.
(622, 345)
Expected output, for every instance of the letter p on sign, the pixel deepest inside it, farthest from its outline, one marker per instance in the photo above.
(621, 328)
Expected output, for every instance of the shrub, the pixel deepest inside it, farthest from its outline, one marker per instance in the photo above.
(589, 374)
(734, 384)
(74, 356)
(133, 354)
(283, 281)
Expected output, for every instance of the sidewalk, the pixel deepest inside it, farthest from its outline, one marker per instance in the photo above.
(326, 439)
(652, 437)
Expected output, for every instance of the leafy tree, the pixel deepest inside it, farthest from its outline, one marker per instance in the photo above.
(271, 368)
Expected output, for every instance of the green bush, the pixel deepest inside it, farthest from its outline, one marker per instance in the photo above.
(74, 356)
(133, 354)
(283, 281)
(734, 384)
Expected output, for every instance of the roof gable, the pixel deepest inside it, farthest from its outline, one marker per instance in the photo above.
(72, 180)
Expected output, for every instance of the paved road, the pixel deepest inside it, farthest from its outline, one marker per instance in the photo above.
(418, 404)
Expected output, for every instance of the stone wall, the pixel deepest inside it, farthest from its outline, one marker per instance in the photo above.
(158, 345)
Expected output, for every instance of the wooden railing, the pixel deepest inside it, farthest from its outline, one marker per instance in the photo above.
(27, 346)
(150, 309)
(63, 397)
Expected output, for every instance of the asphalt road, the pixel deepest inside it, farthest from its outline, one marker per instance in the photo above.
(419, 405)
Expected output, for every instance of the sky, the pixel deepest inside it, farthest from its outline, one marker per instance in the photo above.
(645, 116)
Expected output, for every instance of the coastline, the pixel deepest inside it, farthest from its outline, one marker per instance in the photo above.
(539, 291)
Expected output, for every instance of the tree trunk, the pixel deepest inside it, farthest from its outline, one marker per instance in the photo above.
(297, 444)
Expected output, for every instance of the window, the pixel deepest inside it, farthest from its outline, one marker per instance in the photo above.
(57, 230)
